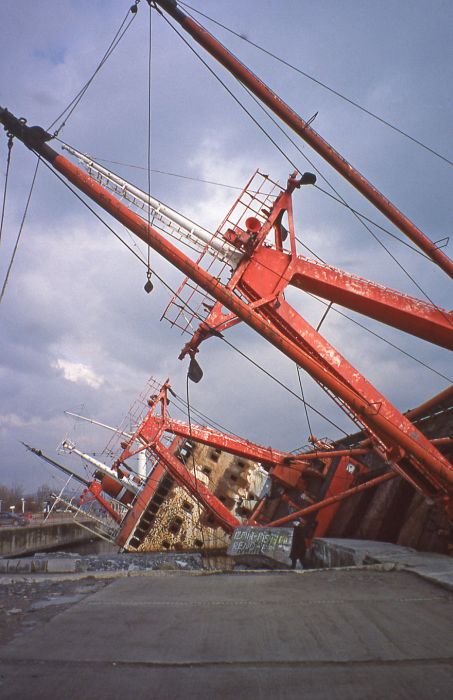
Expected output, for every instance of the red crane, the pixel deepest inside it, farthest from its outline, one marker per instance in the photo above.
(255, 293)
(262, 306)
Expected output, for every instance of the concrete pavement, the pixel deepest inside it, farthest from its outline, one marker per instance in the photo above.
(329, 551)
(316, 634)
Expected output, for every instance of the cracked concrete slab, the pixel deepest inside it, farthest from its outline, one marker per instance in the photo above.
(437, 568)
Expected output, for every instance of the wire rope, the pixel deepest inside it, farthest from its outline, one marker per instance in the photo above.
(196, 315)
(322, 84)
(340, 199)
(176, 295)
(239, 188)
(194, 468)
(280, 383)
(209, 421)
(307, 417)
(21, 227)
(149, 285)
(112, 46)
(230, 92)
(380, 337)
(374, 223)
(424, 449)
(164, 172)
(5, 190)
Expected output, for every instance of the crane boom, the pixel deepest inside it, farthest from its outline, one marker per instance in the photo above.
(414, 316)
(69, 447)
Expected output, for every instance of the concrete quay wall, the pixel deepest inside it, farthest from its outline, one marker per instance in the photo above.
(329, 552)
(17, 541)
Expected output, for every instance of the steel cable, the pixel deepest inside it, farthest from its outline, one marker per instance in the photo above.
(319, 82)
(196, 315)
(112, 46)
(8, 164)
(16, 245)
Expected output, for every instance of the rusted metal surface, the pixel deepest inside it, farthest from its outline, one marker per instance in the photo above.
(392, 512)
(262, 277)
(223, 441)
(393, 308)
(436, 404)
(303, 512)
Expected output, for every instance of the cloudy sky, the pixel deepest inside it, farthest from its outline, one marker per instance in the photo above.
(77, 330)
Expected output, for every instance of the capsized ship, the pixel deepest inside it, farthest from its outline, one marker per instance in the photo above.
(395, 469)
(198, 484)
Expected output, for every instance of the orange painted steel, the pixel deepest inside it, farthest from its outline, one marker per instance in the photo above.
(399, 430)
(307, 133)
(117, 489)
(333, 499)
(442, 441)
(261, 278)
(434, 404)
(132, 518)
(401, 311)
(275, 461)
(95, 492)
(196, 488)
(339, 480)
(151, 429)
(272, 459)
(149, 434)
(428, 406)
(228, 443)
(328, 454)
(253, 518)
